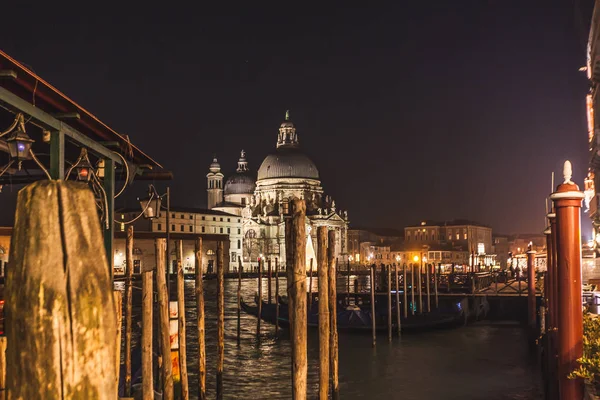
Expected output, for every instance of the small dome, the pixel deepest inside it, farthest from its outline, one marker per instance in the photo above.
(240, 183)
(215, 166)
(288, 163)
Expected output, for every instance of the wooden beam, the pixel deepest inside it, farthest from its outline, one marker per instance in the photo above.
(67, 115)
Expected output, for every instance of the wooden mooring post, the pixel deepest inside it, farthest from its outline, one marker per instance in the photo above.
(420, 286)
(269, 276)
(531, 300)
(405, 286)
(276, 296)
(128, 307)
(2, 367)
(333, 344)
(166, 368)
(119, 312)
(239, 301)
(412, 289)
(399, 326)
(322, 266)
(185, 389)
(200, 323)
(261, 264)
(436, 276)
(295, 232)
(57, 250)
(428, 285)
(389, 299)
(221, 319)
(310, 285)
(567, 202)
(147, 373)
(348, 283)
(373, 304)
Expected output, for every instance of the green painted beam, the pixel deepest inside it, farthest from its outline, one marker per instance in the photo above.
(52, 124)
(57, 155)
(109, 188)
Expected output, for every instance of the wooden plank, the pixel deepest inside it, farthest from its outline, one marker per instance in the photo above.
(57, 286)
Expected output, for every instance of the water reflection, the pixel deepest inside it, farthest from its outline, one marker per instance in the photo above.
(480, 361)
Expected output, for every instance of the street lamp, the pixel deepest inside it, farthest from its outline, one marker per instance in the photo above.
(19, 143)
(84, 167)
(398, 259)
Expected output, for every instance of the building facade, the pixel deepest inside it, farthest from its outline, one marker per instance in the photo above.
(285, 174)
(466, 235)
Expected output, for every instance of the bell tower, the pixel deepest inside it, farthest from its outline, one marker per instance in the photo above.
(215, 184)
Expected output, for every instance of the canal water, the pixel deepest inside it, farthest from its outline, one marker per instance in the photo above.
(480, 361)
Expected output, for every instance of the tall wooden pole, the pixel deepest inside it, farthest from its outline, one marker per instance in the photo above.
(200, 321)
(181, 325)
(261, 264)
(119, 310)
(531, 301)
(147, 380)
(2, 367)
(399, 327)
(405, 294)
(348, 283)
(163, 318)
(323, 313)
(389, 298)
(269, 276)
(428, 285)
(295, 247)
(220, 320)
(412, 289)
(420, 284)
(552, 309)
(276, 296)
(373, 304)
(333, 344)
(239, 300)
(128, 308)
(567, 202)
(436, 275)
(310, 286)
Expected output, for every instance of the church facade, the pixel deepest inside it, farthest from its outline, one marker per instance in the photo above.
(285, 174)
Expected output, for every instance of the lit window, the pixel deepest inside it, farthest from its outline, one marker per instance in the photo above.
(458, 236)
(480, 248)
(465, 236)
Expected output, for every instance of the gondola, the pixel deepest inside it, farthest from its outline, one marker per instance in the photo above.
(357, 319)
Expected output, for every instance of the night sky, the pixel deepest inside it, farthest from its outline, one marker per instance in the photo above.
(417, 110)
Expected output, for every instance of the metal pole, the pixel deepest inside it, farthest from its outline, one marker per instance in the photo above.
(109, 187)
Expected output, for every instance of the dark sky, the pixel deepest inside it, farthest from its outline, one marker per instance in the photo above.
(418, 109)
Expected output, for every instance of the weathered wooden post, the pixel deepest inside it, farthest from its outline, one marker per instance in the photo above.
(147, 296)
(323, 313)
(531, 302)
(270, 273)
(2, 367)
(221, 320)
(163, 317)
(200, 320)
(333, 344)
(119, 306)
(552, 308)
(567, 203)
(276, 296)
(239, 300)
(412, 289)
(310, 296)
(428, 286)
(261, 264)
(436, 275)
(295, 247)
(128, 307)
(348, 283)
(399, 327)
(405, 294)
(389, 298)
(181, 325)
(58, 285)
(420, 283)
(373, 303)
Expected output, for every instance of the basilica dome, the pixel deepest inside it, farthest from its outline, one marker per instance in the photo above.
(239, 183)
(242, 181)
(288, 161)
